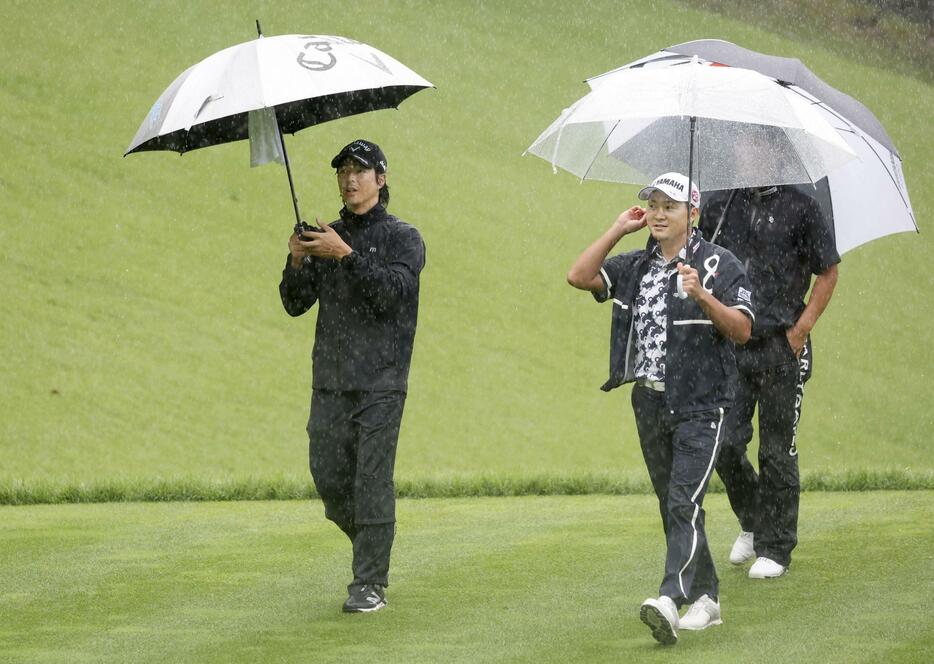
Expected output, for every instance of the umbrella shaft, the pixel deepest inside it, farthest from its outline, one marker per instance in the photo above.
(288, 170)
(687, 240)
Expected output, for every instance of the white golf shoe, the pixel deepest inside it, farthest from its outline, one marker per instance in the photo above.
(766, 568)
(702, 614)
(661, 615)
(742, 549)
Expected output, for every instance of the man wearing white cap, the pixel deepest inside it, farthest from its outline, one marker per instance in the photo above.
(672, 335)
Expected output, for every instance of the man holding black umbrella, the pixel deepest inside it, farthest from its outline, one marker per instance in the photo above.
(783, 239)
(363, 271)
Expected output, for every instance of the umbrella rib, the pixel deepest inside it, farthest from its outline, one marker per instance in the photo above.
(554, 152)
(892, 178)
(597, 151)
(802, 162)
(698, 158)
(814, 101)
(856, 131)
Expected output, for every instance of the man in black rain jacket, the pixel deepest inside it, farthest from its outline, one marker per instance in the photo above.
(363, 272)
(783, 239)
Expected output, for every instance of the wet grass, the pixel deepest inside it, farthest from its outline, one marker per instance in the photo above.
(141, 330)
(535, 579)
(142, 338)
(877, 32)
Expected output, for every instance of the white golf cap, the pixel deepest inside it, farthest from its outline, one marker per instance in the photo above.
(673, 185)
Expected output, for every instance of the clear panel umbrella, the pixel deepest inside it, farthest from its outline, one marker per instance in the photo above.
(865, 199)
(743, 128)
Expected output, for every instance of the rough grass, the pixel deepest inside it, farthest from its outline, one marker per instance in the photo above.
(195, 489)
(141, 331)
(898, 31)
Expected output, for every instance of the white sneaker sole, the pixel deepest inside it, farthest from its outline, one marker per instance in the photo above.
(690, 628)
(662, 631)
(376, 607)
(762, 575)
(739, 561)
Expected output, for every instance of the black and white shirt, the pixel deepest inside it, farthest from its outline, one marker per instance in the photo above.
(651, 317)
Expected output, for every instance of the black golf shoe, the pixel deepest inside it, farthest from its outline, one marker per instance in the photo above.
(364, 599)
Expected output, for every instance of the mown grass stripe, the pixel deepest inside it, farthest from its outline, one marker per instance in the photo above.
(39, 492)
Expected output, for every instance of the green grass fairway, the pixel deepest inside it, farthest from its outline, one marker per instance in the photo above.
(474, 580)
(146, 356)
(140, 326)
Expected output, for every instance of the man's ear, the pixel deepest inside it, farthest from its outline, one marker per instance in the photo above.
(380, 180)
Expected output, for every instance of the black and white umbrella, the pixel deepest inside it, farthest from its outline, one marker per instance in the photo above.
(269, 86)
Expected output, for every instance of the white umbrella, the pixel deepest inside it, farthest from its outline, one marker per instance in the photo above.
(868, 197)
(639, 123)
(285, 83)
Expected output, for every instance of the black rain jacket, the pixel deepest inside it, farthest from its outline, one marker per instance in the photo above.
(700, 367)
(367, 303)
(782, 238)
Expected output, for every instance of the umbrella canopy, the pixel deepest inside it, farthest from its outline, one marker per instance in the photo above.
(868, 197)
(307, 79)
(636, 123)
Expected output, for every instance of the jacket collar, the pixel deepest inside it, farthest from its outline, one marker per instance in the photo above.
(764, 192)
(652, 248)
(375, 213)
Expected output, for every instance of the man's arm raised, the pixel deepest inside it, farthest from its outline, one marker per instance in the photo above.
(585, 273)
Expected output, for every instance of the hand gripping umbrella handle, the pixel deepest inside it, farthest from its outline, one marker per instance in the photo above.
(681, 294)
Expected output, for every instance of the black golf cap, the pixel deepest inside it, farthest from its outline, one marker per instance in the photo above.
(366, 152)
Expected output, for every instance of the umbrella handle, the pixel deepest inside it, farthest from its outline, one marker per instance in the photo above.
(681, 294)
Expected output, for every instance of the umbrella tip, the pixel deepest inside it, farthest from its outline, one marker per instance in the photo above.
(259, 30)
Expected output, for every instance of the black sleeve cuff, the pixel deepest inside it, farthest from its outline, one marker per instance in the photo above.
(289, 273)
(351, 261)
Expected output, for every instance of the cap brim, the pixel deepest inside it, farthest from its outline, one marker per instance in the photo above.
(645, 192)
(344, 155)
(362, 161)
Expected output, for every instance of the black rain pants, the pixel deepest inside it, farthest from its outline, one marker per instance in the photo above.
(680, 451)
(352, 438)
(766, 503)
